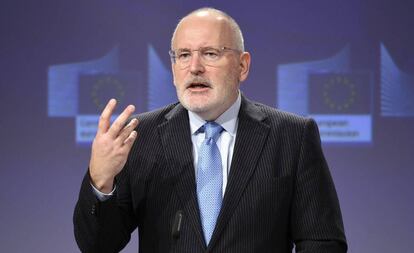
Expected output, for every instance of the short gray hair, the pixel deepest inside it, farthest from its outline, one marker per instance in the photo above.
(237, 33)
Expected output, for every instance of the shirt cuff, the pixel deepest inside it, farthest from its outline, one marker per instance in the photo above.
(102, 196)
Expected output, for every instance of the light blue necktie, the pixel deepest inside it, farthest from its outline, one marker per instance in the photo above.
(209, 178)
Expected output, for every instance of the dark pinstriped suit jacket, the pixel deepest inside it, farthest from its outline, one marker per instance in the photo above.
(279, 192)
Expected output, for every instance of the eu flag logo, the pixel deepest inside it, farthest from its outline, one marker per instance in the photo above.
(339, 93)
(95, 90)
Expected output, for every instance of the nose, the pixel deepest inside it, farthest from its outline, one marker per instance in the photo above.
(196, 65)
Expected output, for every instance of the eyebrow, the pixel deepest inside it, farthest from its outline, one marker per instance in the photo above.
(189, 49)
(183, 49)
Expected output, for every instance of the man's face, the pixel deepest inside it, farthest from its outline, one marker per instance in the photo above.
(207, 90)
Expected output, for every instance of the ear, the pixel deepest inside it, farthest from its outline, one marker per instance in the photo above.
(173, 73)
(244, 66)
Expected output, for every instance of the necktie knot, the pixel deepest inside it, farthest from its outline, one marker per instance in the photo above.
(212, 130)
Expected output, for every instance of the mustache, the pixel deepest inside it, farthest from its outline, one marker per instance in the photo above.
(197, 80)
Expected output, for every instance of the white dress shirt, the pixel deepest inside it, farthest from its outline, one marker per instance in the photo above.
(228, 120)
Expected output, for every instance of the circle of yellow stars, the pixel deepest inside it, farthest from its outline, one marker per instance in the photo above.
(332, 85)
(104, 83)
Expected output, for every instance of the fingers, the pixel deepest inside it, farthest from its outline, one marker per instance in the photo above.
(126, 132)
(105, 119)
(119, 123)
(128, 135)
(130, 140)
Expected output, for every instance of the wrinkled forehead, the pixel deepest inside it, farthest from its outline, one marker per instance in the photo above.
(200, 30)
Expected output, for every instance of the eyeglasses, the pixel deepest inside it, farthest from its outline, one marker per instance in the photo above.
(209, 55)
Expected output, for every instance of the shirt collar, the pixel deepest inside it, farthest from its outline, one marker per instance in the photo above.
(227, 120)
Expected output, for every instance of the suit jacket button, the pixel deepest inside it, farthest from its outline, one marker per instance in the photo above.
(93, 210)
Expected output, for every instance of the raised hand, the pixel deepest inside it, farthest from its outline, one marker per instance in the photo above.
(111, 146)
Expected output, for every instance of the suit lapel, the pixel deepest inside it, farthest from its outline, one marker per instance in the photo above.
(251, 136)
(176, 140)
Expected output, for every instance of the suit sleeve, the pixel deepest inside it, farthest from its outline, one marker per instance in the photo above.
(103, 226)
(316, 220)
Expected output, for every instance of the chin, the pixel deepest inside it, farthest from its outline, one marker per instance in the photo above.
(197, 107)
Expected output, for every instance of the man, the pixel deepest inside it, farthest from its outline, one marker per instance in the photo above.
(212, 173)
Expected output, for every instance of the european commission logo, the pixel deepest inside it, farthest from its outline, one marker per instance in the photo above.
(337, 97)
(340, 98)
(81, 90)
(341, 103)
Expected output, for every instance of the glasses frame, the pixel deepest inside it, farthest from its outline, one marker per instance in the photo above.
(221, 50)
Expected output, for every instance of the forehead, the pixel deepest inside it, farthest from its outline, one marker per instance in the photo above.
(202, 30)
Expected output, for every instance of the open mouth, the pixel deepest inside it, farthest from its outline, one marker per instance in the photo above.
(198, 86)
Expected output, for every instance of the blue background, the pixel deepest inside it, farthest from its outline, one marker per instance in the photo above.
(42, 165)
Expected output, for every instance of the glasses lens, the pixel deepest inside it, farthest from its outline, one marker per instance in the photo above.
(209, 54)
(183, 56)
